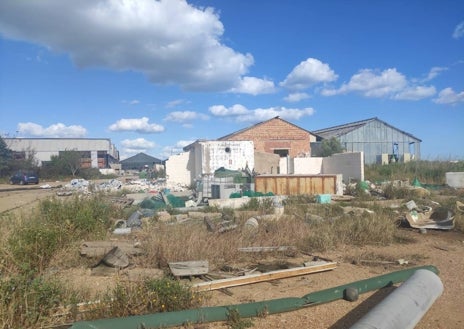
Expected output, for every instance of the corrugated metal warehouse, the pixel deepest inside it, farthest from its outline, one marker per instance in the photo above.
(380, 141)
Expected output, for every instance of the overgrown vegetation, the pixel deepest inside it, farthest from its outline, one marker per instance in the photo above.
(427, 172)
(34, 245)
(56, 225)
(147, 296)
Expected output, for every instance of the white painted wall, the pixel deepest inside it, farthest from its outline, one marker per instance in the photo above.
(232, 155)
(455, 179)
(308, 166)
(44, 148)
(179, 169)
(205, 157)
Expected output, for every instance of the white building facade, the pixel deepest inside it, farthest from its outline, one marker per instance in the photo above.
(96, 152)
(203, 158)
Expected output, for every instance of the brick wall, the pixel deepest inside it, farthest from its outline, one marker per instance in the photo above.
(277, 134)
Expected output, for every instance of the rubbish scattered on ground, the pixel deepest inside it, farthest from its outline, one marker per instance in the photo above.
(116, 258)
(266, 249)
(134, 220)
(122, 202)
(189, 268)
(221, 227)
(460, 206)
(428, 218)
(262, 277)
(64, 193)
(323, 198)
(93, 249)
(253, 309)
(400, 261)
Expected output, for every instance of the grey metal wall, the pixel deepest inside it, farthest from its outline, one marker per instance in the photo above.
(376, 138)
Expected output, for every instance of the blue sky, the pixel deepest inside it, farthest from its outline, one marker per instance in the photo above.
(154, 76)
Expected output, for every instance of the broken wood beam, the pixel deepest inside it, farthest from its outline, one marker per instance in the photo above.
(266, 249)
(262, 277)
(189, 268)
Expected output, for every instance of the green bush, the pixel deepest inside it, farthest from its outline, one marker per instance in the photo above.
(33, 245)
(88, 217)
(27, 302)
(150, 296)
(263, 205)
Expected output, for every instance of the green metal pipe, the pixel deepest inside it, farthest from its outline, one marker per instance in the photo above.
(221, 313)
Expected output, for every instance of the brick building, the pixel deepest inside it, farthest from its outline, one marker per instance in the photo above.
(276, 136)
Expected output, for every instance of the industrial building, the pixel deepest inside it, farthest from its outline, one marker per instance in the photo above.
(379, 141)
(95, 152)
(140, 161)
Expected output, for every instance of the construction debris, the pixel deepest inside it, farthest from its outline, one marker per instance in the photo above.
(428, 218)
(262, 277)
(189, 268)
(93, 249)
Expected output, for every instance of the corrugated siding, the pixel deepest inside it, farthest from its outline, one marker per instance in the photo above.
(296, 184)
(376, 138)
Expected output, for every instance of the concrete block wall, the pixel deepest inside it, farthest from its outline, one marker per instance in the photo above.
(311, 166)
(455, 179)
(350, 165)
(266, 163)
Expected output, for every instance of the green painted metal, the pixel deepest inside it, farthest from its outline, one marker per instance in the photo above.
(221, 313)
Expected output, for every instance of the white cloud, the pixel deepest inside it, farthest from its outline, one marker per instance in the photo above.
(176, 148)
(254, 86)
(183, 116)
(459, 31)
(449, 96)
(370, 83)
(57, 130)
(140, 125)
(242, 114)
(308, 73)
(137, 144)
(296, 97)
(170, 41)
(222, 111)
(434, 72)
(175, 103)
(415, 93)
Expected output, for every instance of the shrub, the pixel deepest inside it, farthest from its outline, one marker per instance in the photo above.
(263, 205)
(27, 302)
(357, 230)
(33, 245)
(150, 296)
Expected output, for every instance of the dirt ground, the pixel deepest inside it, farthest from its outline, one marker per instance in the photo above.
(443, 249)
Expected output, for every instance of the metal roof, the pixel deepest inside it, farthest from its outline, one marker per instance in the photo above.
(337, 131)
(141, 158)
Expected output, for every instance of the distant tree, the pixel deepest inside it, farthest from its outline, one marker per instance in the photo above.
(330, 146)
(6, 155)
(67, 162)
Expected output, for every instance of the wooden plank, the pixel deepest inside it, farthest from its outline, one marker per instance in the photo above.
(269, 276)
(266, 249)
(189, 268)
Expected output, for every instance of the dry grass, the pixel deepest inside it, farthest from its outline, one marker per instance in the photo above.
(305, 225)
